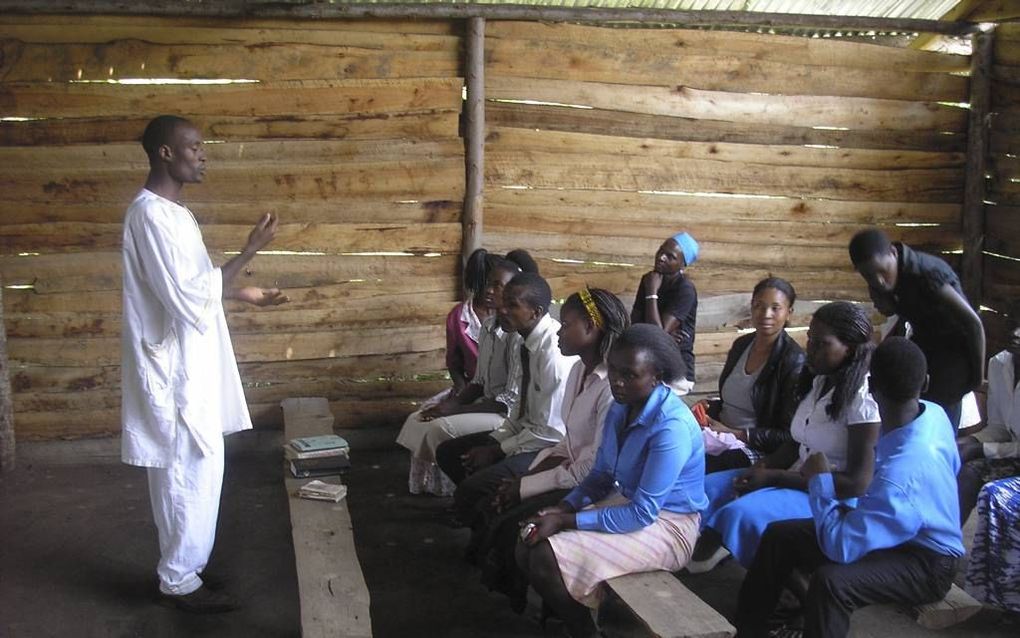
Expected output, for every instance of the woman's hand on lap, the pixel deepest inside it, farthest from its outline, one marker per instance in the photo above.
(754, 478)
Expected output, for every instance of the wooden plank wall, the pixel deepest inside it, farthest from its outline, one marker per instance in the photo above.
(771, 150)
(1002, 214)
(348, 130)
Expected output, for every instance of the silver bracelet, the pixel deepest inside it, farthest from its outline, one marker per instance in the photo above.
(651, 296)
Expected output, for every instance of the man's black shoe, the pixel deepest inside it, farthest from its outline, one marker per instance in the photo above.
(201, 601)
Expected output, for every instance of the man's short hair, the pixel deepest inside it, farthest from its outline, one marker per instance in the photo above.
(160, 131)
(898, 369)
(868, 243)
(534, 290)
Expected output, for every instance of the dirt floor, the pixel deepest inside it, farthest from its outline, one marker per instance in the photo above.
(78, 551)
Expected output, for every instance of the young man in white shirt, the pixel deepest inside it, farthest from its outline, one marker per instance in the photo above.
(181, 391)
(478, 463)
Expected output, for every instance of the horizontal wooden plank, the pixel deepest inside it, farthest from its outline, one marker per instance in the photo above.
(367, 294)
(854, 113)
(996, 11)
(538, 169)
(642, 125)
(642, 249)
(624, 228)
(413, 179)
(1007, 50)
(429, 124)
(1001, 284)
(77, 272)
(354, 370)
(314, 237)
(234, 154)
(775, 48)
(354, 210)
(712, 279)
(101, 28)
(269, 61)
(677, 209)
(712, 71)
(399, 314)
(336, 390)
(502, 139)
(1002, 230)
(45, 99)
(103, 351)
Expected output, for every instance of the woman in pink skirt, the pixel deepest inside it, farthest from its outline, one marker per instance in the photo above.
(638, 508)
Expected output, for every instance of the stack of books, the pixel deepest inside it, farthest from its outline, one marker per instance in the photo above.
(318, 455)
(320, 491)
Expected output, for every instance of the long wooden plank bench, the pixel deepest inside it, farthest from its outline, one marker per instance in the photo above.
(334, 596)
(955, 608)
(667, 608)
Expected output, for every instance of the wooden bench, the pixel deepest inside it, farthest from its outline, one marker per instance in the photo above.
(334, 597)
(955, 608)
(667, 608)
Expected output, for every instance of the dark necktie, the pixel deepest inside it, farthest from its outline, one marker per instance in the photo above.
(525, 377)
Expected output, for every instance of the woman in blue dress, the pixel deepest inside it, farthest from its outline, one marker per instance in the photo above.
(837, 416)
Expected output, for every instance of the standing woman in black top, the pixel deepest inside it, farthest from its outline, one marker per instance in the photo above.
(759, 382)
(668, 299)
(924, 290)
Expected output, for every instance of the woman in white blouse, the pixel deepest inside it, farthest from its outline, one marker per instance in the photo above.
(837, 416)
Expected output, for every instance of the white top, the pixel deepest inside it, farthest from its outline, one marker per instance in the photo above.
(176, 359)
(468, 316)
(1003, 406)
(817, 432)
(499, 363)
(737, 408)
(540, 424)
(585, 403)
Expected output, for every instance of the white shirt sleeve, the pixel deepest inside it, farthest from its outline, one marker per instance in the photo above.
(186, 287)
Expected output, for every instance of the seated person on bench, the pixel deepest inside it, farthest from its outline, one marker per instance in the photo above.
(482, 404)
(591, 320)
(638, 508)
(899, 544)
(477, 463)
(837, 416)
(994, 452)
(759, 385)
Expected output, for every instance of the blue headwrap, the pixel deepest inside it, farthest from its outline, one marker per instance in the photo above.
(688, 246)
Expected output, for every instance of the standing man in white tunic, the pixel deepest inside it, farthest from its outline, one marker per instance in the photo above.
(181, 388)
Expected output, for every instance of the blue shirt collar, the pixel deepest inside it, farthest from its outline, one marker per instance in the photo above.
(652, 407)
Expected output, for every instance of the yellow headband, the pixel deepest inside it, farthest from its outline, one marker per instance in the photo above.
(589, 305)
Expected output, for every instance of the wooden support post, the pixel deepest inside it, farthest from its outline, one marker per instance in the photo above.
(972, 265)
(6, 409)
(474, 136)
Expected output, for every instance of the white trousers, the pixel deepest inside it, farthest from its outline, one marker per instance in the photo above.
(185, 505)
(423, 437)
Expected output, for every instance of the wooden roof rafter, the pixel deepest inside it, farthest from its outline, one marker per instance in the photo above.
(319, 9)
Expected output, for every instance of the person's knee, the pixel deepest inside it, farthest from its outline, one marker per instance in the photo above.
(827, 586)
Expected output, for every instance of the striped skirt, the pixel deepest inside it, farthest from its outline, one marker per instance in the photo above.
(588, 558)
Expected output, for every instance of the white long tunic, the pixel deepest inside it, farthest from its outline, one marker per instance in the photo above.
(177, 363)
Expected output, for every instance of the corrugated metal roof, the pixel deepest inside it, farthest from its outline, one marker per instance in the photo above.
(918, 9)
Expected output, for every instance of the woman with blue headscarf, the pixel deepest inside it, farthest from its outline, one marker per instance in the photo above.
(668, 299)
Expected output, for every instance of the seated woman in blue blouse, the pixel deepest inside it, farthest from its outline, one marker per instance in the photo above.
(638, 508)
(837, 416)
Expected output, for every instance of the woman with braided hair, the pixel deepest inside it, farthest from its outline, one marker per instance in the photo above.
(837, 416)
(591, 320)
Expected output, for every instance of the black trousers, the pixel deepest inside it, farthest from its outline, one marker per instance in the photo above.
(475, 490)
(908, 574)
(728, 460)
(449, 452)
